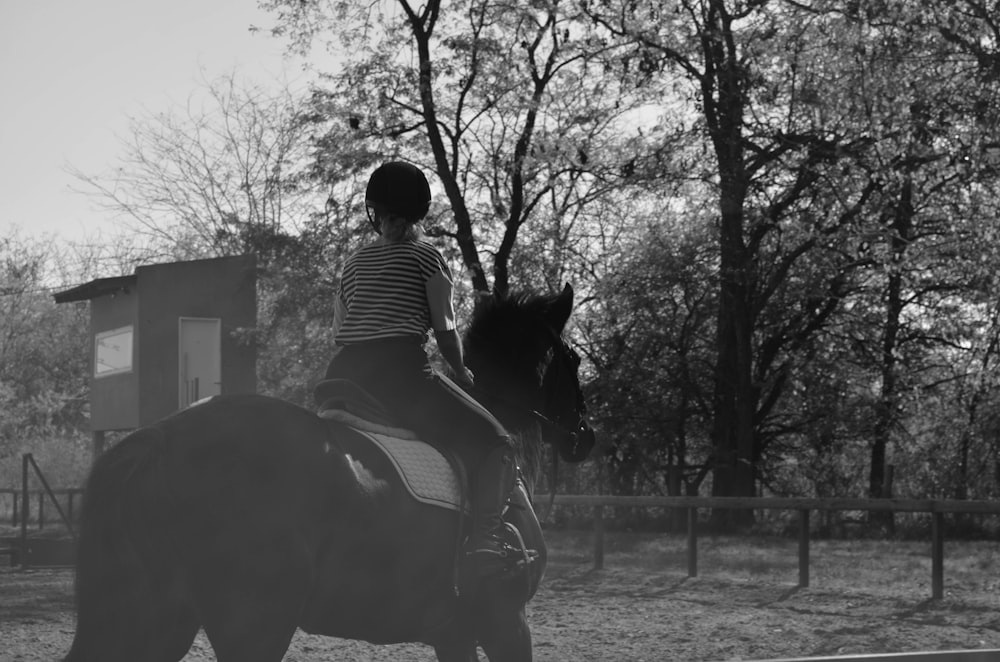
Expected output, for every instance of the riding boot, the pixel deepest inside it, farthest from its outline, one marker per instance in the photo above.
(493, 483)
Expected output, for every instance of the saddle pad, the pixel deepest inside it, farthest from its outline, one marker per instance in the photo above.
(427, 474)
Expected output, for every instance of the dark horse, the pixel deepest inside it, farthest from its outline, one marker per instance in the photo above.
(247, 516)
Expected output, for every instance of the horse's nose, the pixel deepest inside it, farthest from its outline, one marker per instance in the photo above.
(579, 443)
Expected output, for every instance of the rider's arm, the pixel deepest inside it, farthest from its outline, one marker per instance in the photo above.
(339, 314)
(451, 349)
(439, 298)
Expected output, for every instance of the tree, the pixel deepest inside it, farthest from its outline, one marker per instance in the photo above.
(232, 174)
(647, 339)
(213, 177)
(772, 157)
(44, 361)
(507, 103)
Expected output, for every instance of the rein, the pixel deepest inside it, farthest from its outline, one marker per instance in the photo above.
(490, 396)
(546, 422)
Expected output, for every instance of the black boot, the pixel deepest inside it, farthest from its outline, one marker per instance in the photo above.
(493, 483)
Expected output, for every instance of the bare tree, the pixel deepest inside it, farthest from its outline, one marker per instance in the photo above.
(208, 178)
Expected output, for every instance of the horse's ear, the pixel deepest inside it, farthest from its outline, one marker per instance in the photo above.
(561, 308)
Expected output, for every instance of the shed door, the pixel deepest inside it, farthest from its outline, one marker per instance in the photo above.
(200, 359)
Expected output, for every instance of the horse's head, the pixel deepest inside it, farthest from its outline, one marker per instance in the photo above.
(516, 349)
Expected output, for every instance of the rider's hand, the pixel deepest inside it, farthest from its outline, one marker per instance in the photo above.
(465, 378)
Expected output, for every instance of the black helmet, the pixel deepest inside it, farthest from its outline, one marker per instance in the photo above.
(401, 188)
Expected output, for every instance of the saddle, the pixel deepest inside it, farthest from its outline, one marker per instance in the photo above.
(343, 395)
(431, 472)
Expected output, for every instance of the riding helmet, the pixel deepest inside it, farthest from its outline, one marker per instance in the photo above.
(401, 188)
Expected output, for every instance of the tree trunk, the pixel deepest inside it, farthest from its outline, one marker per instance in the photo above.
(885, 413)
(734, 399)
(421, 27)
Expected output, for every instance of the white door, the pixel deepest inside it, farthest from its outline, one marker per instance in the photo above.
(200, 359)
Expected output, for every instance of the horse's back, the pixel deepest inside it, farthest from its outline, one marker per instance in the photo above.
(247, 511)
(254, 457)
(238, 494)
(220, 473)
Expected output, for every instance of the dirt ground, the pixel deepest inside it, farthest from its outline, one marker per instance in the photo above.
(744, 605)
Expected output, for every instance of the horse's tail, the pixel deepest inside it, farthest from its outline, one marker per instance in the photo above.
(112, 596)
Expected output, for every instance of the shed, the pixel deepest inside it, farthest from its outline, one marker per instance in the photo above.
(167, 336)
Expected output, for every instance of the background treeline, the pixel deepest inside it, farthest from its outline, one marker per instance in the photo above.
(780, 218)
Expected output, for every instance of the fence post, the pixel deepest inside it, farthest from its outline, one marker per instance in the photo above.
(598, 537)
(41, 511)
(17, 512)
(804, 548)
(52, 495)
(937, 555)
(25, 506)
(692, 541)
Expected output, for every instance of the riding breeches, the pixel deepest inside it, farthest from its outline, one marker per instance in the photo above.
(399, 374)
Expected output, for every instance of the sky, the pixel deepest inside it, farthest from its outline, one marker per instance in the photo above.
(72, 72)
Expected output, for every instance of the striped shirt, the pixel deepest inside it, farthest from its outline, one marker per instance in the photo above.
(394, 290)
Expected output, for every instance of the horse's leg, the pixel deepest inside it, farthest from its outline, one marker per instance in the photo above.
(458, 648)
(176, 632)
(150, 631)
(250, 630)
(505, 636)
(125, 616)
(250, 604)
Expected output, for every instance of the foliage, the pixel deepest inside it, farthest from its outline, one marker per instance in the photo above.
(43, 360)
(780, 217)
(506, 103)
(648, 338)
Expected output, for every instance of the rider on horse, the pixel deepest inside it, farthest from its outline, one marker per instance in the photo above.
(392, 293)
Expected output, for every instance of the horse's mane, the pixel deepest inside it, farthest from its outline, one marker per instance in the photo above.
(497, 316)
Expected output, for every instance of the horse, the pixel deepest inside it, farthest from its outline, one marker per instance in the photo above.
(250, 517)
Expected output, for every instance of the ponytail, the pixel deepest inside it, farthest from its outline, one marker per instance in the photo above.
(396, 229)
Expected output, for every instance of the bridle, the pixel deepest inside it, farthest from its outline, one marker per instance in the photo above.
(575, 428)
(571, 434)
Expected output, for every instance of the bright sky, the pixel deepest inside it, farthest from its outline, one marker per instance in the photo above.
(73, 71)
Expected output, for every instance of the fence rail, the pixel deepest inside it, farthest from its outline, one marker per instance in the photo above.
(803, 506)
(11, 506)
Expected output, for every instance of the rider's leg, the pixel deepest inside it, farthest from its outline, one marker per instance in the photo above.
(492, 483)
(449, 414)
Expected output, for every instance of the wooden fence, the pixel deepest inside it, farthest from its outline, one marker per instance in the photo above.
(691, 505)
(803, 506)
(11, 508)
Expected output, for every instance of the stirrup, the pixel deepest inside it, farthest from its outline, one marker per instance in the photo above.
(489, 545)
(495, 555)
(528, 556)
(488, 562)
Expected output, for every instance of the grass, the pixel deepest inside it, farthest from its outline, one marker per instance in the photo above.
(885, 566)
